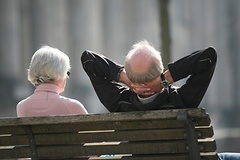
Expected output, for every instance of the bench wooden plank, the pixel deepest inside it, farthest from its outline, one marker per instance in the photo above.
(121, 116)
(154, 147)
(12, 140)
(106, 135)
(122, 148)
(115, 125)
(15, 152)
(11, 129)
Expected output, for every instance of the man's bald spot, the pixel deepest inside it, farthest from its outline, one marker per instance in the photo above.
(141, 61)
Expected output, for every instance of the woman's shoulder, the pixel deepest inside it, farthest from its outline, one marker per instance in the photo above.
(70, 101)
(74, 104)
(23, 102)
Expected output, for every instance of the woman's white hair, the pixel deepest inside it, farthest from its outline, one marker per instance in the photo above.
(47, 65)
(156, 66)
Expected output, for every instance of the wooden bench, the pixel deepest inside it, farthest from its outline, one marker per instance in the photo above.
(181, 134)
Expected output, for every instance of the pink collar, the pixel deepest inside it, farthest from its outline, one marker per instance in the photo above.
(47, 87)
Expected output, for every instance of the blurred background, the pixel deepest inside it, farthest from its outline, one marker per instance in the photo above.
(110, 27)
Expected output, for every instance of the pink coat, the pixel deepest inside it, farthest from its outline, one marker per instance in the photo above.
(46, 101)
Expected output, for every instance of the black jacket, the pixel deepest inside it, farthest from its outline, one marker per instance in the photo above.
(198, 67)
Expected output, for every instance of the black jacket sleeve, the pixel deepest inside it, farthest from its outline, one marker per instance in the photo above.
(200, 66)
(100, 66)
(104, 74)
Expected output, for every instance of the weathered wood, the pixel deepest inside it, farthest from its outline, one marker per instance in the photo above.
(132, 135)
(123, 116)
(107, 136)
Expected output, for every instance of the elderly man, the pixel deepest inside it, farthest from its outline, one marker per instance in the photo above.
(142, 84)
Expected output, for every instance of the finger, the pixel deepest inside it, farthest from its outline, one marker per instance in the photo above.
(141, 90)
(135, 85)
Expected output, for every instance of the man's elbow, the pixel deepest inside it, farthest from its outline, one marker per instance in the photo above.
(212, 54)
(85, 56)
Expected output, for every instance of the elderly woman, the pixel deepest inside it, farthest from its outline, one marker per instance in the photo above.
(48, 72)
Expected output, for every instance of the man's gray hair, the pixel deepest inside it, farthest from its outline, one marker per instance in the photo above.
(156, 66)
(48, 64)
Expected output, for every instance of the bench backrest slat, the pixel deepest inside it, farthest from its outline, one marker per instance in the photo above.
(115, 125)
(100, 136)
